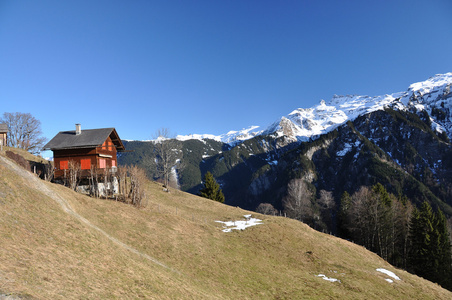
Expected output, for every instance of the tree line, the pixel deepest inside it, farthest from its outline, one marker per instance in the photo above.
(413, 238)
(416, 239)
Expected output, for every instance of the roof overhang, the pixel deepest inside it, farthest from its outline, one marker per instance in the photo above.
(117, 141)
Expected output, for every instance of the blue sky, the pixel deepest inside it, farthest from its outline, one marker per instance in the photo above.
(209, 66)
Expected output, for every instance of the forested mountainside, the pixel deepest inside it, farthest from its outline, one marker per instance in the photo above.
(401, 140)
(396, 148)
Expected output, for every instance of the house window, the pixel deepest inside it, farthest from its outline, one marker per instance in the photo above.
(85, 163)
(102, 163)
(64, 165)
(108, 145)
(113, 163)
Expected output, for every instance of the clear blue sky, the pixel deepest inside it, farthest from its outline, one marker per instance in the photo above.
(209, 66)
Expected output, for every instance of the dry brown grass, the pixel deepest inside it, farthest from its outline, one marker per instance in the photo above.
(47, 253)
(25, 154)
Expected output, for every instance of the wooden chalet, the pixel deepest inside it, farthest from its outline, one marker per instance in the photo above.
(4, 134)
(90, 148)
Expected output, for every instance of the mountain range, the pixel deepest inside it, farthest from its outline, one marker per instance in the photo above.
(303, 124)
(401, 140)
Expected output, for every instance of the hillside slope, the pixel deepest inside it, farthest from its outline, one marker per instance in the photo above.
(57, 244)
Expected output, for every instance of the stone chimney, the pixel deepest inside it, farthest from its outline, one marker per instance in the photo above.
(78, 129)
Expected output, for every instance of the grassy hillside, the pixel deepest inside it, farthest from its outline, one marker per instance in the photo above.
(25, 154)
(56, 244)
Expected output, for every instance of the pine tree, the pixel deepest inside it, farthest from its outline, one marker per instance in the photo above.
(443, 252)
(211, 189)
(380, 191)
(419, 242)
(343, 226)
(430, 253)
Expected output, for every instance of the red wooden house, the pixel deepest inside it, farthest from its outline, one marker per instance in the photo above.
(95, 148)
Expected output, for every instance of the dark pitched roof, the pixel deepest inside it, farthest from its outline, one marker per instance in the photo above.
(88, 138)
(3, 128)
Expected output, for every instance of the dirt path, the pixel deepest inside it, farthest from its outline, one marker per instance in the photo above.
(42, 186)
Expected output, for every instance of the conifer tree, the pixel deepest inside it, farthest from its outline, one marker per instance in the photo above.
(380, 191)
(443, 252)
(430, 253)
(211, 189)
(345, 204)
(420, 227)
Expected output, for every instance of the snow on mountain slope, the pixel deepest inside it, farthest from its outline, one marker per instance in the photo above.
(320, 119)
(435, 85)
(434, 96)
(305, 123)
(324, 117)
(232, 137)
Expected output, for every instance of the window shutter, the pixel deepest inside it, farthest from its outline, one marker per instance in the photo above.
(86, 164)
(64, 165)
(102, 163)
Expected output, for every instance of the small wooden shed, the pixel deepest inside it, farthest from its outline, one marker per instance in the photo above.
(4, 134)
(90, 148)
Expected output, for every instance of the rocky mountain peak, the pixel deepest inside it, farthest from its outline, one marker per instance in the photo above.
(432, 95)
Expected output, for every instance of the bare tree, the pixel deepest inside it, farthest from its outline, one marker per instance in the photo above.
(49, 171)
(266, 209)
(137, 186)
(359, 220)
(326, 200)
(380, 222)
(167, 153)
(326, 204)
(106, 176)
(122, 181)
(74, 174)
(400, 225)
(24, 131)
(297, 203)
(94, 181)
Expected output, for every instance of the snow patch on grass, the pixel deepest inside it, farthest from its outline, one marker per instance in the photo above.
(240, 225)
(328, 278)
(390, 274)
(384, 271)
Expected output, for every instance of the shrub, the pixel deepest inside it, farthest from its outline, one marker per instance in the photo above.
(19, 160)
(266, 209)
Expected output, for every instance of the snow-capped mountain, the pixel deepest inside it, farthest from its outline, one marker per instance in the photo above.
(401, 140)
(232, 137)
(303, 124)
